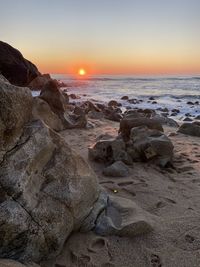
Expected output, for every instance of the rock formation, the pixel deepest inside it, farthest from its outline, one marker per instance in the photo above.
(47, 191)
(190, 129)
(14, 67)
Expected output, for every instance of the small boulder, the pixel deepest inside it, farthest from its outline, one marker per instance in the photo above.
(151, 145)
(192, 129)
(109, 151)
(112, 103)
(125, 97)
(127, 124)
(117, 169)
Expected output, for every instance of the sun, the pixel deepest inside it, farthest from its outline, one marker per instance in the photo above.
(81, 72)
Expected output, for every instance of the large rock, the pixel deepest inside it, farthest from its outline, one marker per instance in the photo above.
(46, 189)
(190, 129)
(15, 111)
(58, 105)
(150, 145)
(124, 218)
(43, 184)
(109, 151)
(16, 69)
(54, 97)
(42, 111)
(127, 124)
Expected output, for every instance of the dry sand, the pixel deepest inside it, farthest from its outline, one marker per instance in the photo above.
(172, 195)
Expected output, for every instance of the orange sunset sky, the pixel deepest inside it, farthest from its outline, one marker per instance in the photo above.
(108, 36)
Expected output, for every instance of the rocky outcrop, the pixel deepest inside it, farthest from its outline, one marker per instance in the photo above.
(190, 129)
(57, 102)
(144, 144)
(14, 67)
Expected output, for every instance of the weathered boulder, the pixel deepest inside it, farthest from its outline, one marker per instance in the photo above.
(113, 114)
(39, 82)
(54, 97)
(109, 151)
(127, 124)
(42, 194)
(190, 129)
(117, 169)
(42, 183)
(15, 111)
(14, 67)
(123, 218)
(43, 112)
(150, 145)
(58, 105)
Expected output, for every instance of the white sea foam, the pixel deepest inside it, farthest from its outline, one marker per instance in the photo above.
(170, 92)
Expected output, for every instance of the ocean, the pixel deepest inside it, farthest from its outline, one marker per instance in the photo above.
(170, 92)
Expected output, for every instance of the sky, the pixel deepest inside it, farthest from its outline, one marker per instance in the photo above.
(105, 36)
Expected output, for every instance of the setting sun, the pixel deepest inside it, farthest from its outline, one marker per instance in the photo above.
(82, 72)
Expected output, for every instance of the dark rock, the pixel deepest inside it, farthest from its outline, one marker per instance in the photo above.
(14, 67)
(134, 101)
(187, 119)
(190, 103)
(197, 117)
(173, 114)
(166, 121)
(127, 124)
(124, 97)
(112, 103)
(109, 151)
(151, 98)
(150, 145)
(73, 96)
(154, 102)
(113, 114)
(176, 110)
(190, 129)
(117, 169)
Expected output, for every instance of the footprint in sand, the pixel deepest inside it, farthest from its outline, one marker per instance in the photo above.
(125, 183)
(185, 169)
(97, 244)
(155, 261)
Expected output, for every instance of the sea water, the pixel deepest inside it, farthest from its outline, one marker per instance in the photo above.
(169, 91)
